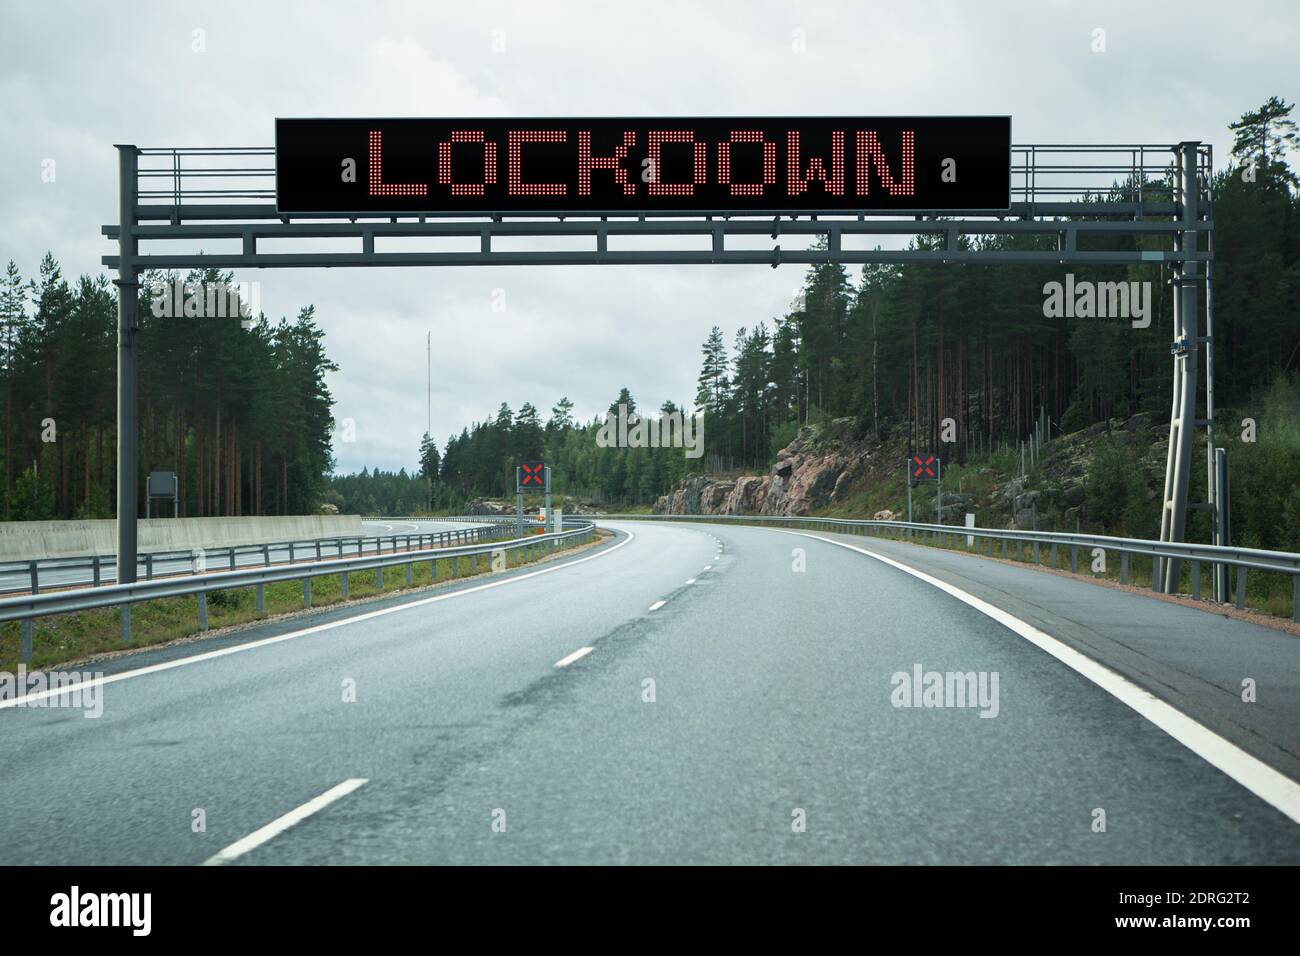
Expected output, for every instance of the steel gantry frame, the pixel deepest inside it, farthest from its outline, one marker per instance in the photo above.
(226, 197)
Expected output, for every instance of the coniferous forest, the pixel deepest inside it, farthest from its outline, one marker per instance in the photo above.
(241, 415)
(907, 346)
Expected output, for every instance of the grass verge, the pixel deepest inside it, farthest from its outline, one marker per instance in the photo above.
(64, 638)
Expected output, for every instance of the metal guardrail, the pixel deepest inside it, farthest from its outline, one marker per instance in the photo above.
(1243, 559)
(28, 607)
(314, 548)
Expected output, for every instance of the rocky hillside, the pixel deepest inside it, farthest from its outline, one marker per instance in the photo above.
(815, 469)
(834, 467)
(1058, 486)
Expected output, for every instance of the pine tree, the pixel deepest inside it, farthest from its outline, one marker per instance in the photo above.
(1263, 136)
(430, 463)
(561, 416)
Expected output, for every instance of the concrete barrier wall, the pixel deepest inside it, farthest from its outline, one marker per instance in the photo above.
(26, 540)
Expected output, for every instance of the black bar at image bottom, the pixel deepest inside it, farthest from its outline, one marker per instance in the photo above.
(1224, 904)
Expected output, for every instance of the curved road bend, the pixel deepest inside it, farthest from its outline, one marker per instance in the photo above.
(509, 721)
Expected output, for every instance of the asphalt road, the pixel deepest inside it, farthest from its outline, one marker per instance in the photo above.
(17, 581)
(737, 704)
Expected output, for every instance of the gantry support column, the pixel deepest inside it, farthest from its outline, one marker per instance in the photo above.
(1182, 419)
(128, 322)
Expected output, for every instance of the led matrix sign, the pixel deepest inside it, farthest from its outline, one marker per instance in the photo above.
(651, 165)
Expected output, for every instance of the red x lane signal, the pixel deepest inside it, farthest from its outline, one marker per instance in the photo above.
(532, 474)
(924, 467)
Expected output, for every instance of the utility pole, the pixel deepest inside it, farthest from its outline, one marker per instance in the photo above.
(938, 496)
(428, 428)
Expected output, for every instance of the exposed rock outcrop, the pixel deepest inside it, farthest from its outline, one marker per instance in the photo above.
(807, 474)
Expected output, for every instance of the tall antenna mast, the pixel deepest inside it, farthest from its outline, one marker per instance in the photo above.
(428, 430)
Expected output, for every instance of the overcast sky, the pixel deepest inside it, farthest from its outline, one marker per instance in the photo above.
(75, 78)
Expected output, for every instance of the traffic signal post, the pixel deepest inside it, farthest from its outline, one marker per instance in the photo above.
(924, 467)
(530, 476)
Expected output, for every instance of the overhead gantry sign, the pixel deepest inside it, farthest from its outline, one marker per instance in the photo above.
(670, 191)
(650, 166)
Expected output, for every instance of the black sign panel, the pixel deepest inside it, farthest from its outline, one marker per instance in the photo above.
(532, 476)
(924, 467)
(649, 165)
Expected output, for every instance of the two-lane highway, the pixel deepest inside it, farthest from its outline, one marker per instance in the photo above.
(682, 694)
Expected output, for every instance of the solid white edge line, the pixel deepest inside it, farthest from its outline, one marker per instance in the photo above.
(1271, 786)
(657, 605)
(280, 824)
(315, 629)
(576, 655)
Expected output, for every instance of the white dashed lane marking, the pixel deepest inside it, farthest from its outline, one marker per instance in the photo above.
(280, 824)
(576, 655)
